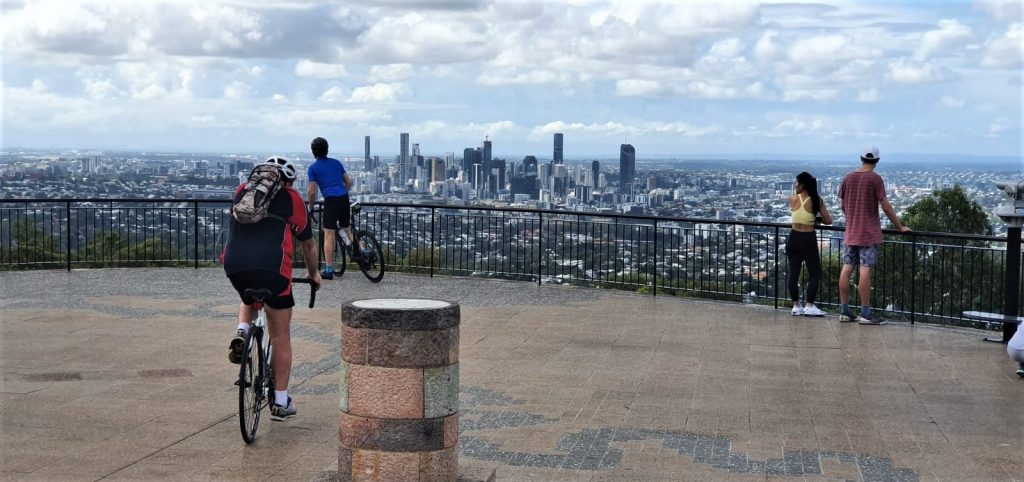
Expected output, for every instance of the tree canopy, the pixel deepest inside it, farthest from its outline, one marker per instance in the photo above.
(948, 211)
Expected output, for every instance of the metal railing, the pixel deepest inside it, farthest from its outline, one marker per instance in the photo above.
(930, 277)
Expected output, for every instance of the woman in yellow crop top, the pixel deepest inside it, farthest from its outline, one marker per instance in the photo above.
(802, 246)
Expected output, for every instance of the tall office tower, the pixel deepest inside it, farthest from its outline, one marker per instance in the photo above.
(560, 183)
(470, 158)
(529, 165)
(557, 155)
(595, 173)
(403, 153)
(627, 167)
(367, 162)
(436, 169)
(544, 174)
(486, 160)
(498, 168)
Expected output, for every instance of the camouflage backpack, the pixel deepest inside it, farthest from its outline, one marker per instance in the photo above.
(263, 184)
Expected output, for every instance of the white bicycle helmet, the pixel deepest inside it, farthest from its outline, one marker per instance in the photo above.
(286, 167)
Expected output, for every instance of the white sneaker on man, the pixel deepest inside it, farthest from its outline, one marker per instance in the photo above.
(797, 310)
(811, 310)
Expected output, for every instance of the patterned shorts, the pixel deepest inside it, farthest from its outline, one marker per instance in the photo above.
(866, 256)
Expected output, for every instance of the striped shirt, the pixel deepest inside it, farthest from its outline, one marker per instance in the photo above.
(861, 193)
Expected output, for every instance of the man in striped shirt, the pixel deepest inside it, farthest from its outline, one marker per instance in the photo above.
(861, 193)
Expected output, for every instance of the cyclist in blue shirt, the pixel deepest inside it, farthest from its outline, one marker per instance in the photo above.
(329, 176)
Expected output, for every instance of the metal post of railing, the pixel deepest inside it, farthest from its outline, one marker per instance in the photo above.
(1011, 295)
(432, 212)
(195, 232)
(913, 273)
(540, 249)
(776, 267)
(67, 206)
(655, 291)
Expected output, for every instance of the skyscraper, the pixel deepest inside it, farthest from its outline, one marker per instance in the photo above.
(627, 166)
(595, 173)
(529, 165)
(403, 159)
(486, 162)
(367, 163)
(557, 155)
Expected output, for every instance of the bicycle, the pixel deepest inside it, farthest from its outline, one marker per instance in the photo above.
(365, 251)
(255, 376)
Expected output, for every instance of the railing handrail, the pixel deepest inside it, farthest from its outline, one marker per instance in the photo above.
(557, 212)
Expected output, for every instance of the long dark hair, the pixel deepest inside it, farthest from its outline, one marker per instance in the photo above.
(810, 185)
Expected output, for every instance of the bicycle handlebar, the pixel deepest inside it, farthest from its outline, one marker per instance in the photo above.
(312, 289)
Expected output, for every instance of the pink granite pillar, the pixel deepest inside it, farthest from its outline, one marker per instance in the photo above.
(399, 391)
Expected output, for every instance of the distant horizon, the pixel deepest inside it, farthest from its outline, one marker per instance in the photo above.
(895, 157)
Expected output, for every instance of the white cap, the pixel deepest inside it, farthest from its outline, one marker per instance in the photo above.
(870, 154)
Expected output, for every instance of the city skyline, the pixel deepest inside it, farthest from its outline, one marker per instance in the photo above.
(676, 78)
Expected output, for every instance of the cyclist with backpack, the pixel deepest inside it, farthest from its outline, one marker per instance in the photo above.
(266, 214)
(329, 176)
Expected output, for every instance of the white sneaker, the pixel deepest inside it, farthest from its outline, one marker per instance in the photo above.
(812, 310)
(797, 311)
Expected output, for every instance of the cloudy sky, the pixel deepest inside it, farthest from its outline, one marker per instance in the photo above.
(671, 77)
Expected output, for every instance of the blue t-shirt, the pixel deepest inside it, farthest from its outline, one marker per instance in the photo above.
(329, 176)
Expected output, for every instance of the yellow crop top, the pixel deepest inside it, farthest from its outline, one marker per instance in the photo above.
(801, 215)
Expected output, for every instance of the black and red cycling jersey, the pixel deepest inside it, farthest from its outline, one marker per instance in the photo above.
(267, 245)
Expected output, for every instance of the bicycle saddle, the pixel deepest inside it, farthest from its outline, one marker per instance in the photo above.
(355, 208)
(258, 294)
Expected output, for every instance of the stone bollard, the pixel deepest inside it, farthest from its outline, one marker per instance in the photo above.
(399, 390)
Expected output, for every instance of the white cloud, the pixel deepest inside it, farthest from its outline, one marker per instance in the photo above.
(869, 96)
(618, 129)
(279, 98)
(640, 88)
(809, 94)
(1005, 51)
(905, 71)
(950, 35)
(316, 70)
(334, 94)
(1000, 126)
(379, 92)
(949, 102)
(390, 72)
(238, 90)
(512, 76)
(101, 89)
(1004, 10)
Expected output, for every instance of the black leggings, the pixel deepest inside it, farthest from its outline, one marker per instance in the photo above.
(803, 248)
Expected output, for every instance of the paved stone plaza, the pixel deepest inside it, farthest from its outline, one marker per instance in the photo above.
(122, 375)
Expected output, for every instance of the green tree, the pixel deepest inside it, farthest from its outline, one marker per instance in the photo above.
(948, 211)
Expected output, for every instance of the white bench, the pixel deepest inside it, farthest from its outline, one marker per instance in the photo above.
(1008, 322)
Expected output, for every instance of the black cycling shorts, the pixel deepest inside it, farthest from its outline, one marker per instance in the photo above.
(337, 213)
(257, 279)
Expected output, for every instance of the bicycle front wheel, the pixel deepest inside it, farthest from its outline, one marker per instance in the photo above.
(371, 261)
(251, 385)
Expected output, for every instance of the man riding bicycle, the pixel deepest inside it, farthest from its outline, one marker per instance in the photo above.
(329, 175)
(259, 255)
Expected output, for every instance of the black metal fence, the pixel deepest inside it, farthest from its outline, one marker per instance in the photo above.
(930, 277)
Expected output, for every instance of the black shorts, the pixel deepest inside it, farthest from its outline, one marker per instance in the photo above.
(281, 286)
(337, 213)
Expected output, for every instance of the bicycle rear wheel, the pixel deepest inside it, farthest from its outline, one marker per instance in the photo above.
(371, 262)
(251, 385)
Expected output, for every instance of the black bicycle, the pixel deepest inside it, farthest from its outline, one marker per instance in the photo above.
(364, 251)
(255, 376)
